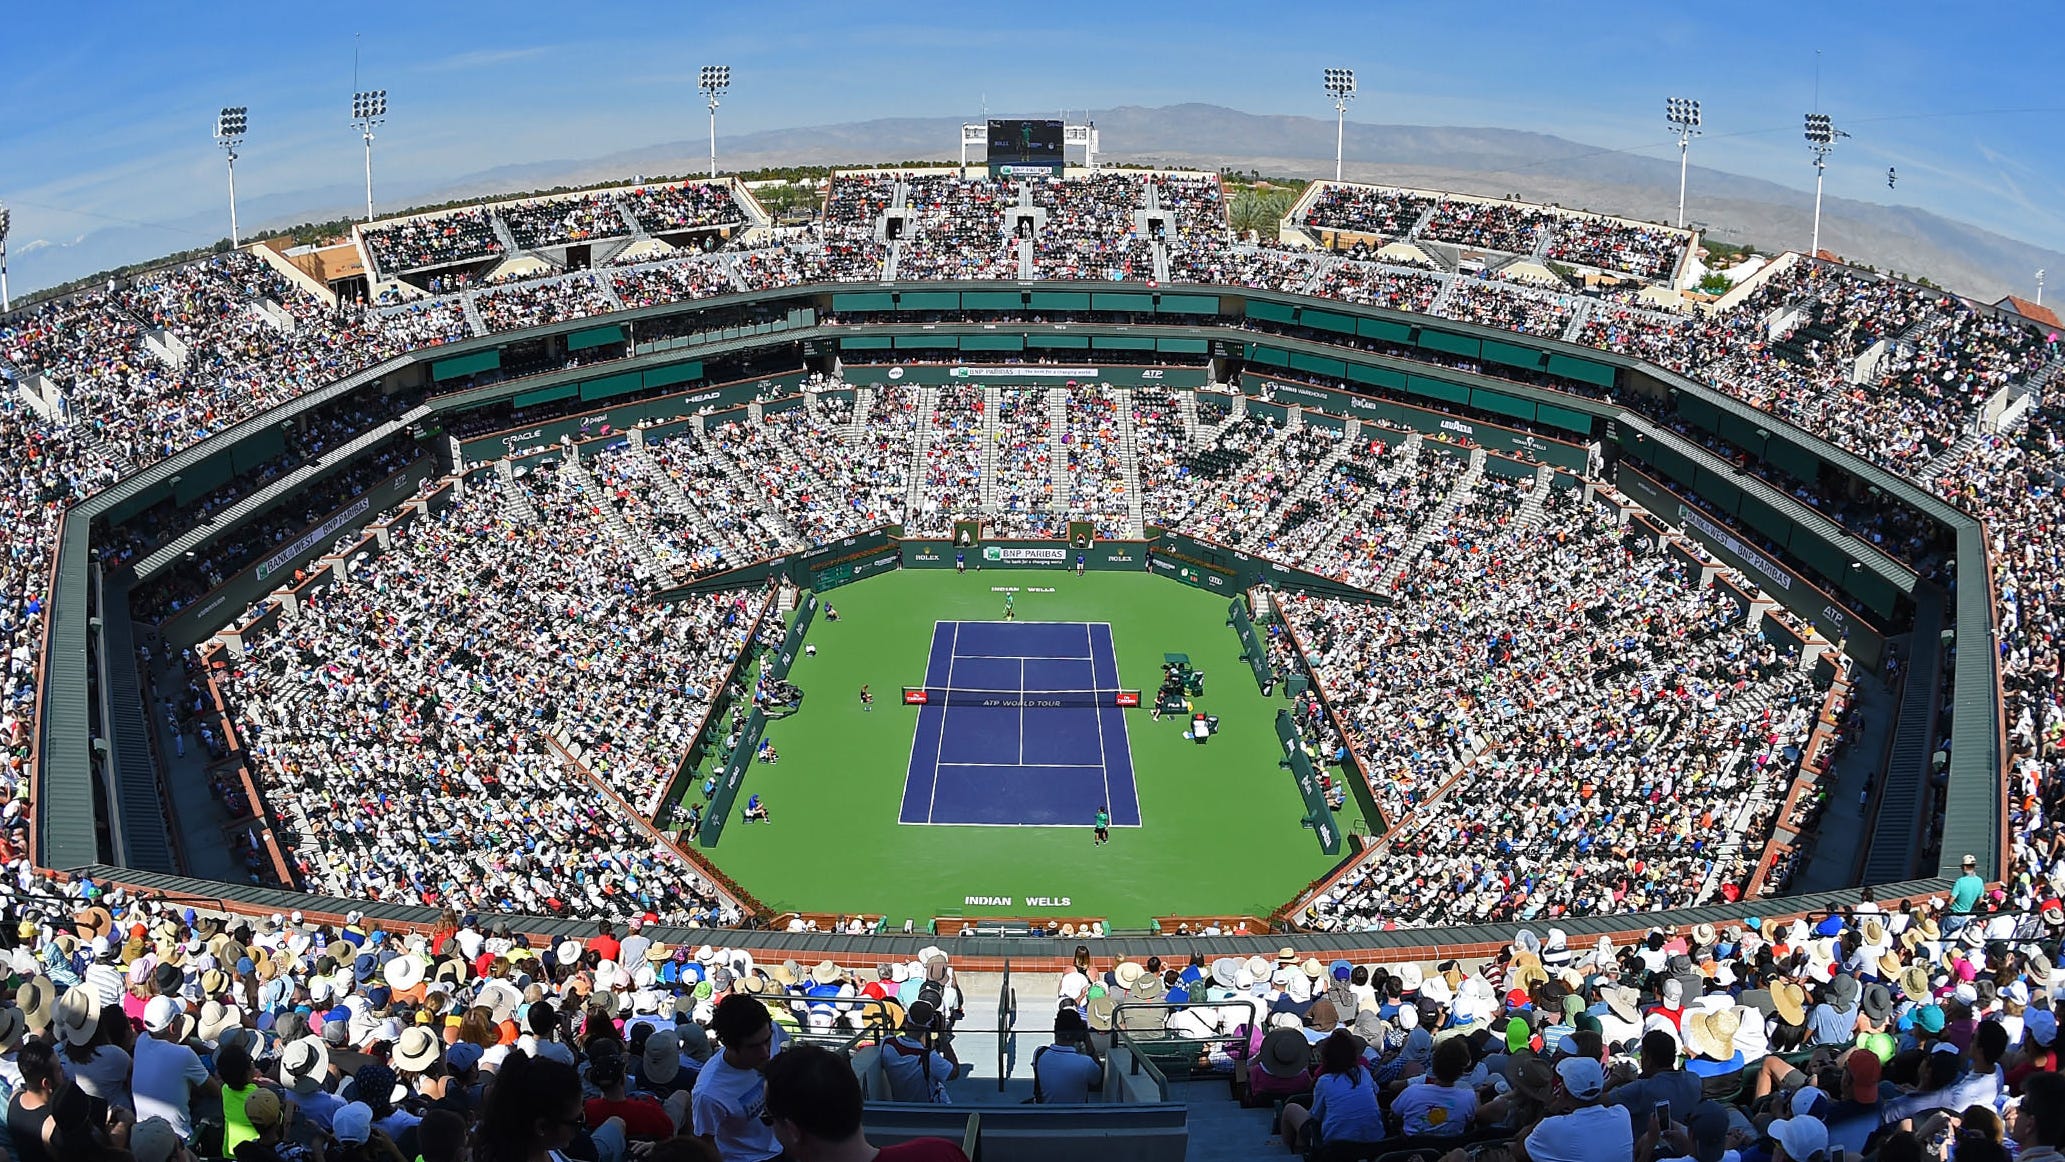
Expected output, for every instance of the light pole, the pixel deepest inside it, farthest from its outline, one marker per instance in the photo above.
(1340, 85)
(7, 219)
(1821, 141)
(3, 259)
(229, 133)
(1682, 114)
(368, 109)
(713, 83)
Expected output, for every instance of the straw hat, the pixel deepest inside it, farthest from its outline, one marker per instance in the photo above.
(1126, 973)
(12, 1026)
(1711, 1032)
(217, 1018)
(76, 1016)
(1790, 1000)
(417, 1050)
(36, 996)
(824, 972)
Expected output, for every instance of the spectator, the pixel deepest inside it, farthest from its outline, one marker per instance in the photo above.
(730, 1093)
(814, 1109)
(1065, 1072)
(1578, 1128)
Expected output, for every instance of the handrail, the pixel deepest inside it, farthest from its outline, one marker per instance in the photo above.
(1121, 1036)
(1007, 1023)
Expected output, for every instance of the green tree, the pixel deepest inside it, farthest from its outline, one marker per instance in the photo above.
(1715, 283)
(1258, 209)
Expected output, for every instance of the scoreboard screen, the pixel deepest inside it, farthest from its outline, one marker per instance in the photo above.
(1019, 142)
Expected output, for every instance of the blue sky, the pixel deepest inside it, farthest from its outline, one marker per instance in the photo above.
(110, 107)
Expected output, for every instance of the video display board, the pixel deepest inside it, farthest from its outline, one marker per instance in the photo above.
(1022, 145)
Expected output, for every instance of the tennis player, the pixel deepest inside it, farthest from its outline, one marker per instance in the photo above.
(1103, 835)
(867, 698)
(1010, 614)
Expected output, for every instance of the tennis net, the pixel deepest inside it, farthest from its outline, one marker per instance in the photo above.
(1017, 699)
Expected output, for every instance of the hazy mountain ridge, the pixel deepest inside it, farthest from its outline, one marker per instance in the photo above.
(1539, 167)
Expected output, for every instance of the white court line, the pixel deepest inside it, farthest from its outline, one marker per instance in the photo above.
(1090, 641)
(1021, 709)
(1051, 826)
(940, 751)
(1029, 657)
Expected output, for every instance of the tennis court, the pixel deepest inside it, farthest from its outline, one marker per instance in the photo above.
(1020, 728)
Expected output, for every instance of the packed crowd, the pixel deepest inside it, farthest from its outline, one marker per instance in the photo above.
(1393, 507)
(419, 243)
(562, 221)
(1024, 456)
(955, 229)
(1511, 227)
(1647, 252)
(1090, 228)
(408, 723)
(1386, 213)
(143, 1030)
(252, 339)
(1921, 1029)
(670, 282)
(1627, 734)
(670, 209)
(950, 472)
(535, 304)
(1096, 458)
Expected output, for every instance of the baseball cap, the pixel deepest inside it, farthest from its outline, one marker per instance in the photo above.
(262, 1108)
(153, 1140)
(353, 1123)
(1802, 1137)
(2041, 1025)
(1582, 1077)
(161, 1012)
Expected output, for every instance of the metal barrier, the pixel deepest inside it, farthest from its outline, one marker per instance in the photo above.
(1121, 1037)
(1007, 1024)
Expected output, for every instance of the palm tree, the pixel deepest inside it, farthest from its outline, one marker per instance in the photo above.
(1258, 210)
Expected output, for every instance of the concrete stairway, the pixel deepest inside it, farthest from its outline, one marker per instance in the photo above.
(671, 498)
(768, 517)
(1432, 526)
(921, 443)
(1059, 477)
(473, 320)
(1402, 460)
(609, 291)
(516, 504)
(863, 399)
(1186, 406)
(1951, 455)
(1580, 314)
(1308, 484)
(992, 403)
(1129, 463)
(1531, 509)
(634, 541)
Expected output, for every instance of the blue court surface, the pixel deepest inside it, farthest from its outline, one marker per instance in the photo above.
(997, 751)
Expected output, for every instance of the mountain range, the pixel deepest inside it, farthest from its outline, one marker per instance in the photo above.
(1538, 167)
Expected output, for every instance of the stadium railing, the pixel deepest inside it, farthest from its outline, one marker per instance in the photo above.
(1007, 1024)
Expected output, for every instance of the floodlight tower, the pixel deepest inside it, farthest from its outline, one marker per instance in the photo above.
(714, 81)
(229, 133)
(1682, 114)
(369, 108)
(1340, 85)
(3, 258)
(7, 219)
(1821, 141)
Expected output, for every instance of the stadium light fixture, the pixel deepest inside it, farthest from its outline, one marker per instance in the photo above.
(3, 257)
(369, 108)
(713, 83)
(1682, 114)
(229, 133)
(1340, 85)
(1821, 141)
(7, 220)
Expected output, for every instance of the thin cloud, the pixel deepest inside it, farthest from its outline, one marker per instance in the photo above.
(484, 58)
